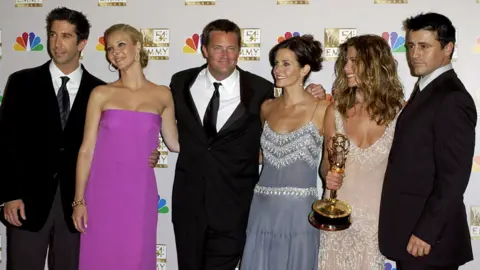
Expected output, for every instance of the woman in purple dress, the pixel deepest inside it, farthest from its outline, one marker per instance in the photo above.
(114, 181)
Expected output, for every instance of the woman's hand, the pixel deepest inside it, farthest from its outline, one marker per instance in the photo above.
(80, 218)
(334, 180)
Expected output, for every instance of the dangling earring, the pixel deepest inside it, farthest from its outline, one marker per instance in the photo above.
(112, 68)
(137, 57)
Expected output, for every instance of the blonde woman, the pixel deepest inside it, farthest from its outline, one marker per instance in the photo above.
(114, 182)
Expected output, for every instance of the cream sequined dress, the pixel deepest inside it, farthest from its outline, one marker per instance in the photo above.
(356, 248)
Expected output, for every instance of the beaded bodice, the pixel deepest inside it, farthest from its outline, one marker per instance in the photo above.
(290, 162)
(281, 150)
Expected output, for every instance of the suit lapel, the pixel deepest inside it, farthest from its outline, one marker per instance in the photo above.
(246, 94)
(188, 95)
(414, 105)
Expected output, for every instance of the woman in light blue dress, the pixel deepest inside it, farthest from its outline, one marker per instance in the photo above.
(279, 236)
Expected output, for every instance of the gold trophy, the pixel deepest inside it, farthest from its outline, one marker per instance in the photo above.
(331, 214)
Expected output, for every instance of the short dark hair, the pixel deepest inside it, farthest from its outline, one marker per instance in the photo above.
(223, 25)
(82, 25)
(439, 24)
(307, 50)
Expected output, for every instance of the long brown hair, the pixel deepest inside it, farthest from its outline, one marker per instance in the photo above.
(379, 82)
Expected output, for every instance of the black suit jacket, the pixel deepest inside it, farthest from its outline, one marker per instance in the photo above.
(428, 171)
(215, 178)
(36, 153)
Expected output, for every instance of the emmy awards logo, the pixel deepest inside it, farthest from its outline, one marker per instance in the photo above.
(250, 50)
(333, 38)
(156, 42)
(161, 257)
(475, 222)
(163, 159)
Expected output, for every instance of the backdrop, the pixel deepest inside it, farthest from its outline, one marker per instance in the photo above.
(173, 28)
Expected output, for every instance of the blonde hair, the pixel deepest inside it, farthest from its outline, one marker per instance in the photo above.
(379, 82)
(135, 36)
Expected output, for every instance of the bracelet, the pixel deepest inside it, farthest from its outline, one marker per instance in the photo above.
(79, 202)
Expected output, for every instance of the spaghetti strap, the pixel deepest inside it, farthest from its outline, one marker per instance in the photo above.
(313, 114)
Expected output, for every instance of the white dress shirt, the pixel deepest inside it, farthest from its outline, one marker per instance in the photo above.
(72, 85)
(202, 91)
(425, 80)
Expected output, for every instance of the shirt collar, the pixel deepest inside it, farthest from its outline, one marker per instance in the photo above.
(228, 83)
(425, 80)
(75, 76)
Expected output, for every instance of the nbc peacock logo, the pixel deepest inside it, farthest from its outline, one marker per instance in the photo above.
(193, 44)
(288, 35)
(28, 42)
(476, 47)
(162, 205)
(396, 42)
(476, 164)
(100, 44)
(389, 266)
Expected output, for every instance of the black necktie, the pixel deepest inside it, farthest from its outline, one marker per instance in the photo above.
(210, 117)
(416, 90)
(63, 101)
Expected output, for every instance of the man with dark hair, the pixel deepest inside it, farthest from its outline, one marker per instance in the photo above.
(218, 116)
(423, 222)
(46, 106)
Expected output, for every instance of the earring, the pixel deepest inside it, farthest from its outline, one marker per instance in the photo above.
(137, 57)
(112, 68)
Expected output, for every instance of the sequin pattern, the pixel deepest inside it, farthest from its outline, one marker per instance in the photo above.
(286, 191)
(357, 247)
(281, 150)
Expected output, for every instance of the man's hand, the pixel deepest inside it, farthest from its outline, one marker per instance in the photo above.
(417, 248)
(11, 212)
(153, 158)
(316, 90)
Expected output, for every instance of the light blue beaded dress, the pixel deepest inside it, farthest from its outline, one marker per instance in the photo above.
(279, 236)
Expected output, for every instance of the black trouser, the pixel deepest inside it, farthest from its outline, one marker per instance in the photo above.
(421, 266)
(201, 247)
(28, 250)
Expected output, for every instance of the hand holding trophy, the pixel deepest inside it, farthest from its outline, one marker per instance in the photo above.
(331, 214)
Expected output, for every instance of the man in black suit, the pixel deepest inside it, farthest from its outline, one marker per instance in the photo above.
(218, 116)
(43, 112)
(423, 222)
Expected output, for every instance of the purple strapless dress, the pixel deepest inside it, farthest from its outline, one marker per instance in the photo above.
(121, 194)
